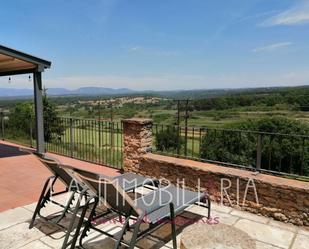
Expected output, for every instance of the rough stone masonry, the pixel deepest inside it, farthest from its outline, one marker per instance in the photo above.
(137, 136)
(283, 199)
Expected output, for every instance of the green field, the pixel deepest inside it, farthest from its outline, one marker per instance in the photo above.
(88, 140)
(89, 144)
(222, 119)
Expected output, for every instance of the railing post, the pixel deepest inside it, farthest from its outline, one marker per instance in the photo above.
(302, 157)
(71, 138)
(186, 127)
(178, 139)
(112, 134)
(178, 127)
(100, 142)
(2, 125)
(259, 152)
(30, 132)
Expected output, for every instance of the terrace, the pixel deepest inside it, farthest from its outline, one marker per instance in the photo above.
(18, 202)
(263, 197)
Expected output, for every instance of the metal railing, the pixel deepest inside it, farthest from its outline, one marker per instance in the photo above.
(284, 154)
(101, 142)
(90, 140)
(21, 132)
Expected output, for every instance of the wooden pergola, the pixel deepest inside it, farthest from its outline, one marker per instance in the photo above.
(13, 62)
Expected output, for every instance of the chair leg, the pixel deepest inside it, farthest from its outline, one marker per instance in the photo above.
(120, 218)
(88, 222)
(173, 225)
(44, 195)
(67, 207)
(71, 225)
(80, 223)
(209, 206)
(156, 183)
(128, 227)
(135, 232)
(123, 231)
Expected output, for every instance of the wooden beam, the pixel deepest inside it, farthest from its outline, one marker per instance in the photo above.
(16, 72)
(6, 59)
(15, 68)
(24, 57)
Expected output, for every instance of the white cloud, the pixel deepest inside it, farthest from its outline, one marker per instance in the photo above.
(257, 16)
(135, 48)
(296, 15)
(272, 47)
(152, 52)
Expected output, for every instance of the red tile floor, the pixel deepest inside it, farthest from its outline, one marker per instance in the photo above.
(22, 175)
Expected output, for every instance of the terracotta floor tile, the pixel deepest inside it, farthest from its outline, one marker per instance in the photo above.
(22, 176)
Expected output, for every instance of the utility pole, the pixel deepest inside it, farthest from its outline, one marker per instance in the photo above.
(100, 142)
(111, 110)
(112, 125)
(186, 126)
(186, 116)
(178, 127)
(178, 112)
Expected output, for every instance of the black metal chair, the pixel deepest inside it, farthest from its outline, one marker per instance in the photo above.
(72, 184)
(156, 208)
(128, 182)
(48, 190)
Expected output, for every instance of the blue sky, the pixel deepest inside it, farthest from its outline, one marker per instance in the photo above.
(161, 44)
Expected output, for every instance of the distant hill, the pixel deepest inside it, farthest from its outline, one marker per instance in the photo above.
(212, 93)
(102, 91)
(11, 92)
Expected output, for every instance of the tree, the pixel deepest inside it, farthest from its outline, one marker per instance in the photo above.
(22, 119)
(53, 127)
(280, 152)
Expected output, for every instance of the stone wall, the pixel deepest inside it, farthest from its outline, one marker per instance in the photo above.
(137, 136)
(283, 199)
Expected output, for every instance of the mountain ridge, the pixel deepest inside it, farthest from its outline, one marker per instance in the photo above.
(178, 94)
(18, 92)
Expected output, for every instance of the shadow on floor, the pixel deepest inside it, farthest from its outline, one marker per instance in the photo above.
(11, 151)
(154, 240)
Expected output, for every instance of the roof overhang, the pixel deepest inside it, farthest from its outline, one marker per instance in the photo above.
(14, 62)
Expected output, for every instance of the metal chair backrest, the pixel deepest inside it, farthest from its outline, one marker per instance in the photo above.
(108, 189)
(55, 168)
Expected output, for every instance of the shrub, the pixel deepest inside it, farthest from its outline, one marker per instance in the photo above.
(279, 152)
(167, 139)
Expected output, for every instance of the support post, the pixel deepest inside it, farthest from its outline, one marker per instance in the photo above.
(259, 152)
(71, 138)
(2, 125)
(39, 120)
(30, 132)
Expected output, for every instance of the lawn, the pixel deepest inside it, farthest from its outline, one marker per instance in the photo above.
(91, 143)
